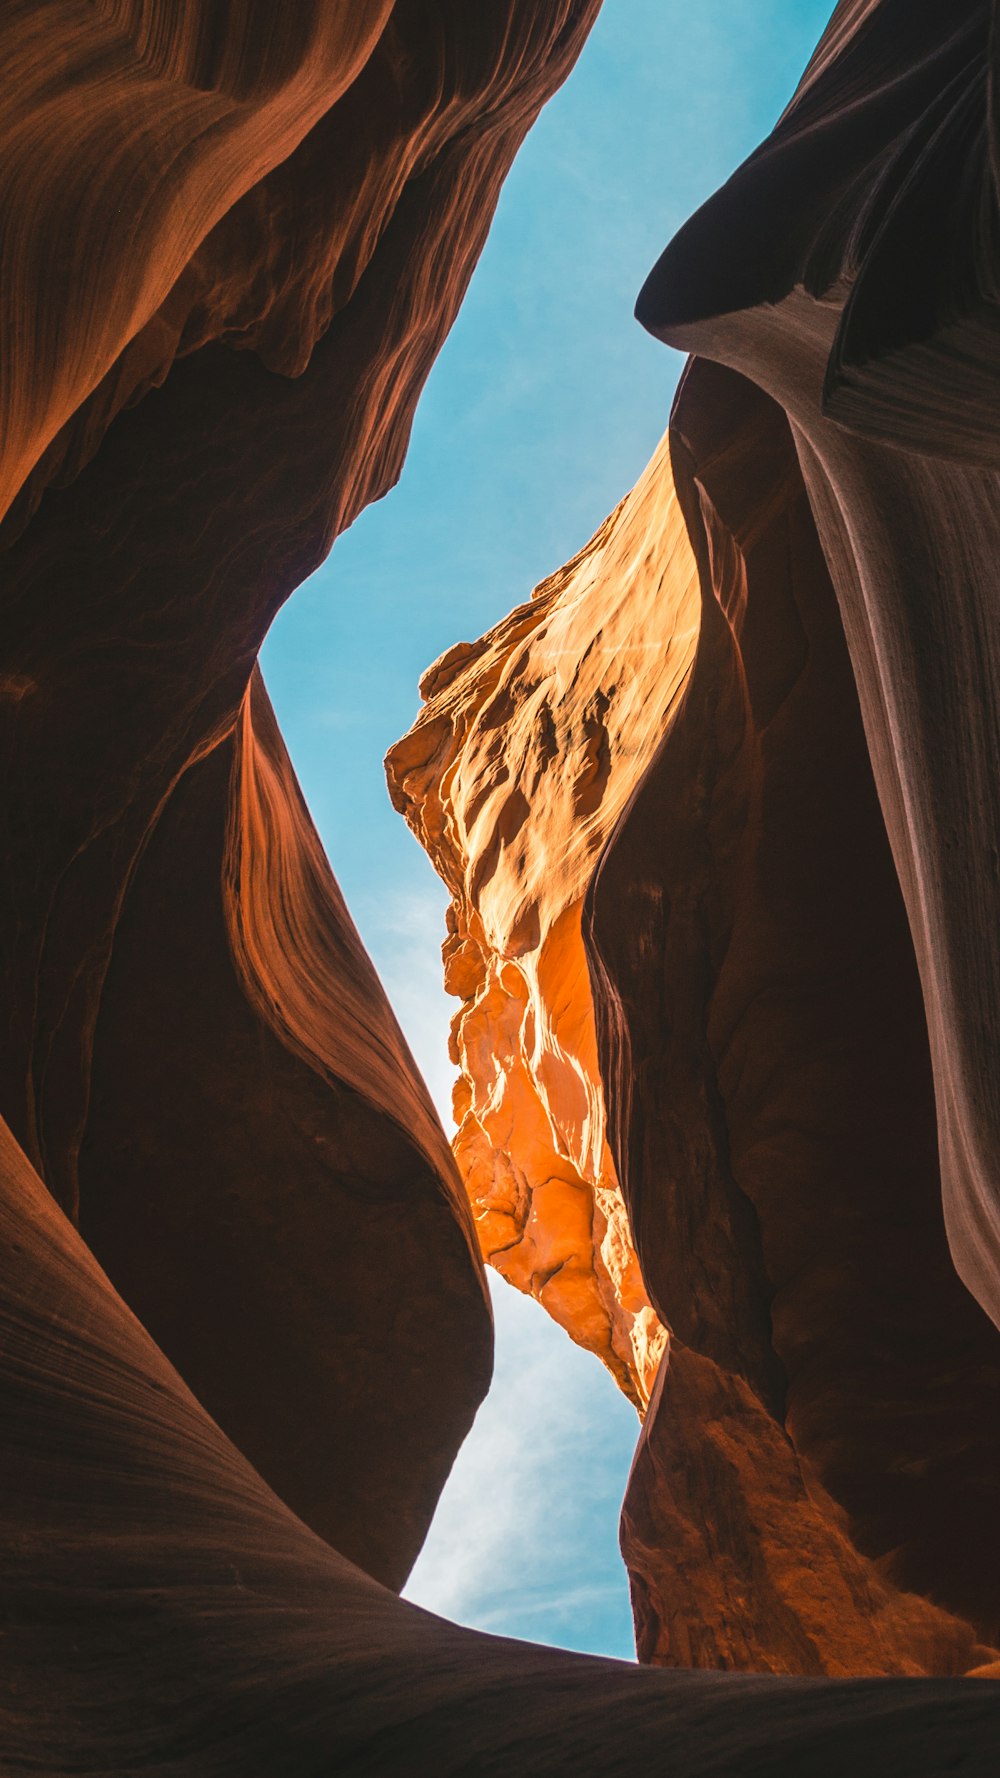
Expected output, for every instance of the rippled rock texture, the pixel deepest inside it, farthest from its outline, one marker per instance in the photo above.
(164, 1612)
(236, 239)
(816, 1488)
(243, 1322)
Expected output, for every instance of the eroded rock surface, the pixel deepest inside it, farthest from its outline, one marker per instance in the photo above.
(262, 1172)
(531, 742)
(817, 1485)
(236, 237)
(848, 270)
(163, 1611)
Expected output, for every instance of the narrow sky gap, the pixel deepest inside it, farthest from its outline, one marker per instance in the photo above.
(542, 410)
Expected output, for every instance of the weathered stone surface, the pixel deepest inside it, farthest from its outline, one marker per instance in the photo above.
(530, 744)
(798, 1502)
(805, 1002)
(759, 1003)
(262, 1172)
(850, 268)
(818, 1484)
(129, 130)
(273, 215)
(234, 238)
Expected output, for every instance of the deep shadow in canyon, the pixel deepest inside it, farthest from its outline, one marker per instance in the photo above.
(723, 929)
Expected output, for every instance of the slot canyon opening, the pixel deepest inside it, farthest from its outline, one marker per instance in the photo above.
(795, 1504)
(701, 796)
(543, 409)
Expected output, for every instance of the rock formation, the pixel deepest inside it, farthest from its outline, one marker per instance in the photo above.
(870, 315)
(823, 1457)
(817, 1487)
(164, 1612)
(273, 217)
(529, 747)
(796, 1503)
(234, 238)
(867, 314)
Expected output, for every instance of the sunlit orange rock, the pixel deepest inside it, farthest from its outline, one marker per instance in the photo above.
(530, 744)
(119, 169)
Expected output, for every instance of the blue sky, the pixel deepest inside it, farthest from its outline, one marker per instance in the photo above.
(542, 410)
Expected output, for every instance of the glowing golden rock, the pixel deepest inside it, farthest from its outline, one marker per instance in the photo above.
(531, 742)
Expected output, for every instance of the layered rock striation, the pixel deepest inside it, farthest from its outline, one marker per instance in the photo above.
(792, 1057)
(817, 1483)
(262, 1173)
(698, 1068)
(164, 1611)
(235, 240)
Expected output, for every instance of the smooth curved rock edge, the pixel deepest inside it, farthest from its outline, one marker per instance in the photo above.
(162, 1610)
(870, 314)
(848, 273)
(817, 1486)
(236, 238)
(530, 744)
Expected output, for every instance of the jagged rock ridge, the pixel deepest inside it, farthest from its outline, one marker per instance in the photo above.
(530, 744)
(796, 1503)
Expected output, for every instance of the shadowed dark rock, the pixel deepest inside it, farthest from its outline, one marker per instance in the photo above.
(274, 218)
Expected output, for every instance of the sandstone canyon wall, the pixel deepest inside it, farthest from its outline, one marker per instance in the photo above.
(688, 773)
(235, 259)
(817, 1485)
(528, 749)
(165, 1613)
(777, 1136)
(868, 318)
(234, 237)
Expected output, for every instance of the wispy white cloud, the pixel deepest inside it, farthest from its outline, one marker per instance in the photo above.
(403, 931)
(525, 1538)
